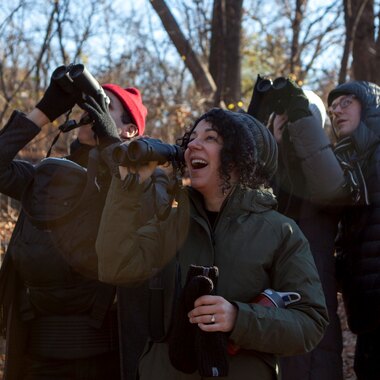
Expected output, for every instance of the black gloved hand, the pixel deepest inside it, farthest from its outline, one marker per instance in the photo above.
(56, 101)
(299, 103)
(103, 125)
(256, 105)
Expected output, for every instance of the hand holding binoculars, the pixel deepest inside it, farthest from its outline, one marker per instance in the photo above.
(78, 81)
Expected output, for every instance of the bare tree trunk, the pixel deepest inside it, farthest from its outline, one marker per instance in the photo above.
(348, 16)
(217, 62)
(225, 56)
(201, 75)
(223, 78)
(359, 21)
(363, 50)
(295, 57)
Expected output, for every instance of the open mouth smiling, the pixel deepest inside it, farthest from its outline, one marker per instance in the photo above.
(198, 163)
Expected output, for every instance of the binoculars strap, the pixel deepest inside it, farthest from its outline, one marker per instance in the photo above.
(57, 136)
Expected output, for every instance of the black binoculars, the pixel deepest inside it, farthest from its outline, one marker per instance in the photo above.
(266, 84)
(269, 96)
(76, 79)
(144, 150)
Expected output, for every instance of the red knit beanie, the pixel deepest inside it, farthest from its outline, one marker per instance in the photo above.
(130, 98)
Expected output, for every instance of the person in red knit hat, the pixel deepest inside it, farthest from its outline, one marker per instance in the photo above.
(127, 111)
(130, 99)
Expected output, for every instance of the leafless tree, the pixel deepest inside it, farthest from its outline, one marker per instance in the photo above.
(201, 75)
(362, 42)
(220, 79)
(209, 54)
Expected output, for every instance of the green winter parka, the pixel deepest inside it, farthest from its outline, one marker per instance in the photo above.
(254, 248)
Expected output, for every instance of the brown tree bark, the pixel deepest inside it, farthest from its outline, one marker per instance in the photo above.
(364, 50)
(225, 56)
(348, 16)
(295, 57)
(360, 42)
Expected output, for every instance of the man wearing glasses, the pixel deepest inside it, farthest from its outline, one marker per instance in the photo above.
(354, 110)
(345, 112)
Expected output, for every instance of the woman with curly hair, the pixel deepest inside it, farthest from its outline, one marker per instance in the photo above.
(212, 257)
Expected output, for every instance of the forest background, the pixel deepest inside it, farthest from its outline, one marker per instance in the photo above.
(184, 55)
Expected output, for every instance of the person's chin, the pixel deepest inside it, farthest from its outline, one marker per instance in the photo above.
(197, 184)
(342, 133)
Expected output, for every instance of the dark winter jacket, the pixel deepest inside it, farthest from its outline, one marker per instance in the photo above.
(308, 182)
(51, 294)
(254, 248)
(359, 238)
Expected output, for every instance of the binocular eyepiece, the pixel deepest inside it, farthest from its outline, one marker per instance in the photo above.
(144, 150)
(267, 84)
(76, 79)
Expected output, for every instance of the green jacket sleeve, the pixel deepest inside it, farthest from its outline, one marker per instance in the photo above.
(126, 253)
(298, 328)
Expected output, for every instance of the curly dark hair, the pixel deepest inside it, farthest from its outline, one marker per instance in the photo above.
(240, 148)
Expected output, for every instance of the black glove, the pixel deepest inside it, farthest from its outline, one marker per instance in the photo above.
(299, 103)
(255, 105)
(103, 125)
(56, 101)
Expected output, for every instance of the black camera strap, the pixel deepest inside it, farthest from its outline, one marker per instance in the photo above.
(61, 129)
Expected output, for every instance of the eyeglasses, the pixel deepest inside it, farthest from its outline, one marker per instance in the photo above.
(344, 102)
